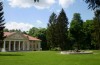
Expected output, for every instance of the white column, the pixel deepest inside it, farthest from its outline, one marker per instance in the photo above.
(4, 47)
(14, 45)
(23, 45)
(9, 45)
(19, 45)
(32, 46)
(28, 45)
(39, 46)
(35, 46)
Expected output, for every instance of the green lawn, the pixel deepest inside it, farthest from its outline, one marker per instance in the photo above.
(48, 58)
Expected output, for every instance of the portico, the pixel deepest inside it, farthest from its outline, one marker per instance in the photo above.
(20, 42)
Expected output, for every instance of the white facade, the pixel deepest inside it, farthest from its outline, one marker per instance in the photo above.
(20, 42)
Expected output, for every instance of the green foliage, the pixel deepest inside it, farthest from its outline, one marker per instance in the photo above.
(42, 36)
(93, 4)
(1, 24)
(57, 31)
(62, 30)
(51, 31)
(88, 30)
(76, 30)
(96, 33)
(40, 33)
(33, 31)
(15, 30)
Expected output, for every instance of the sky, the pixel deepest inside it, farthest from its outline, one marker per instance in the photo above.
(25, 14)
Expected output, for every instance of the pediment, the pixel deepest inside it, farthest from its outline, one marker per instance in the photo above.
(16, 36)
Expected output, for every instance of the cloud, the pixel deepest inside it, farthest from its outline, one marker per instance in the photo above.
(66, 3)
(21, 3)
(25, 26)
(42, 4)
(16, 25)
(39, 24)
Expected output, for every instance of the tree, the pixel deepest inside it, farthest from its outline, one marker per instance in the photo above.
(88, 30)
(51, 33)
(96, 34)
(14, 30)
(1, 24)
(76, 30)
(33, 31)
(42, 36)
(93, 4)
(40, 33)
(62, 30)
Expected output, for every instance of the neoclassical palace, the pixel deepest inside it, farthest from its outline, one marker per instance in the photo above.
(20, 42)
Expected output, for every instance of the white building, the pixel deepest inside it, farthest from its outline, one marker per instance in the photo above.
(20, 42)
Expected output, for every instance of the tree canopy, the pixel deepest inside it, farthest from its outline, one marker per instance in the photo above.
(93, 4)
(51, 31)
(76, 28)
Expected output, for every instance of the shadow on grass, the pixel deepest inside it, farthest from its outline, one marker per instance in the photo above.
(11, 55)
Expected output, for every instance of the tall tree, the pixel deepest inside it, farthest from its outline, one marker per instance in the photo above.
(96, 23)
(62, 30)
(95, 5)
(88, 30)
(1, 24)
(51, 34)
(76, 30)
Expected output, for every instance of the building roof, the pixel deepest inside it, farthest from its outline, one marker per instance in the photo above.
(8, 33)
(29, 37)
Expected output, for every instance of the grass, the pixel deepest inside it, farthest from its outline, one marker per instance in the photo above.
(48, 58)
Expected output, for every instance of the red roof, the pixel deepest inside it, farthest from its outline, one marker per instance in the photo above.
(8, 33)
(29, 37)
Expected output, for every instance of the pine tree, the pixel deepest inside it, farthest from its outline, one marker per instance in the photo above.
(1, 24)
(62, 30)
(51, 38)
(76, 30)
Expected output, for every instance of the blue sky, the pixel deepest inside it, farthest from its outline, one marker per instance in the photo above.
(25, 14)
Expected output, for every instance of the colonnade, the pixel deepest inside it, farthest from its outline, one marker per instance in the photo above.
(21, 45)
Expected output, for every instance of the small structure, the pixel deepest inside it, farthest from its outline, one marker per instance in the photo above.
(15, 41)
(74, 52)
